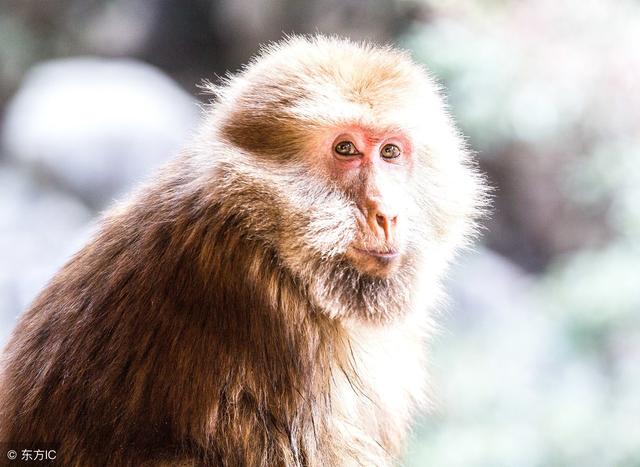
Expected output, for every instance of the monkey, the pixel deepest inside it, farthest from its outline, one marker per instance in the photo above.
(266, 297)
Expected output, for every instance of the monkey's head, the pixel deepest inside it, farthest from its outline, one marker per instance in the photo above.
(341, 157)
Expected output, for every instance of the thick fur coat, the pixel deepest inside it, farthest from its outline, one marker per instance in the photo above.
(214, 320)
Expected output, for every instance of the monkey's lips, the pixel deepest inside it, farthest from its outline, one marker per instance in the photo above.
(381, 254)
(380, 262)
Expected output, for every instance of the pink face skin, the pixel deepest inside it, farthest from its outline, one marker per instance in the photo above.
(374, 167)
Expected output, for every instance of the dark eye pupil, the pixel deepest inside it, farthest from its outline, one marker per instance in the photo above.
(390, 151)
(346, 148)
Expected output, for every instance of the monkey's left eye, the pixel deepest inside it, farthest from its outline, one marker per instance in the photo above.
(390, 151)
(346, 148)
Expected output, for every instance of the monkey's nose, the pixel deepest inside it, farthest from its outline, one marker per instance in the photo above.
(384, 223)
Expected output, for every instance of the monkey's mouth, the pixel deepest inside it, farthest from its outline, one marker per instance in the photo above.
(381, 254)
(379, 262)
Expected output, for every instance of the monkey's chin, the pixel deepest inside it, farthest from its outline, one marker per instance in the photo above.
(374, 263)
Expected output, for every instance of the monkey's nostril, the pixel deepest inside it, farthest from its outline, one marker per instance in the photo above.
(385, 221)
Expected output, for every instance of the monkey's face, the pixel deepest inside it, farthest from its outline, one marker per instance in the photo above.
(343, 159)
(373, 168)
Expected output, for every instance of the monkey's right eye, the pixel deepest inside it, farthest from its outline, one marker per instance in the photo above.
(346, 148)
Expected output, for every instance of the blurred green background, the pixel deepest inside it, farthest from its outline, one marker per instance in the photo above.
(538, 360)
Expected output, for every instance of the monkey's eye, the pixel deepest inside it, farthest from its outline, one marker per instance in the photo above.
(390, 151)
(346, 148)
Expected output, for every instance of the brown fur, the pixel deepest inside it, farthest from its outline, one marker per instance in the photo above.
(214, 320)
